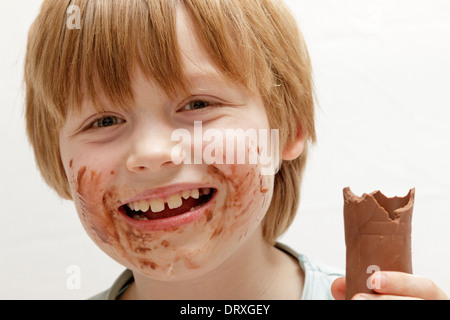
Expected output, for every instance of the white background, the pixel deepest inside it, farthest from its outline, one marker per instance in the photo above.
(382, 75)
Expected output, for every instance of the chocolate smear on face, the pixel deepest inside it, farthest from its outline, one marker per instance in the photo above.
(95, 209)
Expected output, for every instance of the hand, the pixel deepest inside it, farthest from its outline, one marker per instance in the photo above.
(394, 286)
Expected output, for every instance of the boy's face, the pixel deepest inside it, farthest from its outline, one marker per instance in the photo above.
(120, 164)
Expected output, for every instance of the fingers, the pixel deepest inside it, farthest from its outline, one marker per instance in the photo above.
(368, 296)
(389, 283)
(338, 289)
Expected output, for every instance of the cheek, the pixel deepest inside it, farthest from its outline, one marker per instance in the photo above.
(95, 203)
(245, 204)
(161, 254)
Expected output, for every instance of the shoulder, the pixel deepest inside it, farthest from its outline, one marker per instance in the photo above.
(318, 276)
(121, 283)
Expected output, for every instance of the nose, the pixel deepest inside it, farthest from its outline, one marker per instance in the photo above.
(150, 150)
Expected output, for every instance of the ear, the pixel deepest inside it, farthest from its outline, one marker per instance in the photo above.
(293, 149)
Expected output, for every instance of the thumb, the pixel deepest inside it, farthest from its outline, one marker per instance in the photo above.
(338, 288)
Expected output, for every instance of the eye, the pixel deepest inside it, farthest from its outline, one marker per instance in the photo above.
(196, 105)
(106, 121)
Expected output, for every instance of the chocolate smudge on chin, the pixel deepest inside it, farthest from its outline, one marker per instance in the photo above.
(148, 263)
(209, 216)
(262, 188)
(165, 243)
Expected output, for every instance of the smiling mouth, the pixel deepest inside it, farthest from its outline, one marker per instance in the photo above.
(176, 204)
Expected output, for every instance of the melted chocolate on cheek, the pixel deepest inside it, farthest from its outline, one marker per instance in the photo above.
(99, 209)
(88, 193)
(245, 205)
(145, 251)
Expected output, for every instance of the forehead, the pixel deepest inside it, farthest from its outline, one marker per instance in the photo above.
(197, 66)
(188, 66)
(195, 59)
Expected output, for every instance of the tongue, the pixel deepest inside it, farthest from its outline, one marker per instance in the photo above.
(167, 212)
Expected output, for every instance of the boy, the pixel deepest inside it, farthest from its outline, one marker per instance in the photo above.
(104, 98)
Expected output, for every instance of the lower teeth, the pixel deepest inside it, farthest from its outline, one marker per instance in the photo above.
(139, 217)
(195, 208)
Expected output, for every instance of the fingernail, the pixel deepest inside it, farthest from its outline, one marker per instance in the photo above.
(361, 296)
(384, 280)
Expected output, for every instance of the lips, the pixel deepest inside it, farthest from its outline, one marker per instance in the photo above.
(171, 205)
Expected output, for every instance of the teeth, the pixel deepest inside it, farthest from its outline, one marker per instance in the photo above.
(174, 201)
(195, 194)
(195, 208)
(139, 217)
(144, 205)
(157, 205)
(186, 194)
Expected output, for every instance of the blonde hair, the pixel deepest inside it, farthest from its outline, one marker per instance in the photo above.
(255, 42)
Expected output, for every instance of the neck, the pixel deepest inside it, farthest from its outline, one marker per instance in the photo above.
(256, 271)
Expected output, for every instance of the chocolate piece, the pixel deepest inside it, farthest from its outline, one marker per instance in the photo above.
(377, 237)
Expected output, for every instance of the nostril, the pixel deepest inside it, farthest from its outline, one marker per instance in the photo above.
(144, 163)
(139, 169)
(167, 163)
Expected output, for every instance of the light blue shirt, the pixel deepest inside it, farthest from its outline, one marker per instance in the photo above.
(317, 285)
(318, 276)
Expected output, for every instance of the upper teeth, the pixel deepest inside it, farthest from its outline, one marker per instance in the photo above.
(173, 201)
